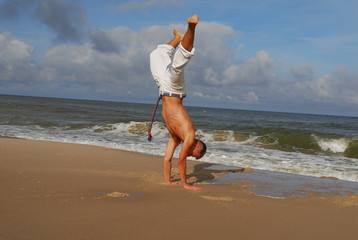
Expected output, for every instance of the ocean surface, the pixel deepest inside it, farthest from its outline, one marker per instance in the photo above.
(310, 145)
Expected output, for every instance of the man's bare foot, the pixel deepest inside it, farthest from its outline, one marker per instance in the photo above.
(191, 187)
(171, 183)
(193, 20)
(178, 34)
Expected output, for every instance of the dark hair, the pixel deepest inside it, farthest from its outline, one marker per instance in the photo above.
(203, 150)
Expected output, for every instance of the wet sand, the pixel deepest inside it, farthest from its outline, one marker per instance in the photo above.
(67, 191)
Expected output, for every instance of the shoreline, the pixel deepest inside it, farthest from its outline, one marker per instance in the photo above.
(346, 185)
(263, 183)
(54, 190)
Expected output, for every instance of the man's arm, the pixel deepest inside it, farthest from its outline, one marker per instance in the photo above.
(184, 152)
(167, 161)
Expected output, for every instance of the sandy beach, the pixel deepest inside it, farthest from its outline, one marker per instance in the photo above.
(67, 191)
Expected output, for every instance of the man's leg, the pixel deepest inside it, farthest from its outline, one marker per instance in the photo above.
(184, 52)
(178, 37)
(188, 39)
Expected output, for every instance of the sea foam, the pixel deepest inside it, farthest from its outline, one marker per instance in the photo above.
(338, 145)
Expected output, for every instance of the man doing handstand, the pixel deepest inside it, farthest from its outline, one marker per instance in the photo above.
(168, 73)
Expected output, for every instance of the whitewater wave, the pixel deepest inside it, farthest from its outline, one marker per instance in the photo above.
(339, 145)
(137, 132)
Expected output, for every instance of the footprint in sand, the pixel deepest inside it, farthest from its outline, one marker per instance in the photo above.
(221, 199)
(117, 195)
(112, 195)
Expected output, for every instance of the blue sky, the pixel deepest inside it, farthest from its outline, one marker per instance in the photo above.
(273, 55)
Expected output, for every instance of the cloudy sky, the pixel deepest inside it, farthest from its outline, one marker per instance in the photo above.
(271, 55)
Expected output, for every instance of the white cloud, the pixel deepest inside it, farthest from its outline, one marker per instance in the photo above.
(211, 76)
(251, 97)
(256, 70)
(346, 85)
(321, 87)
(114, 65)
(318, 89)
(15, 59)
(338, 87)
(303, 72)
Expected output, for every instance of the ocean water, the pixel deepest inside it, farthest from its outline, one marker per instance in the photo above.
(310, 145)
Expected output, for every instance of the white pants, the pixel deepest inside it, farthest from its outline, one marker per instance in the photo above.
(168, 74)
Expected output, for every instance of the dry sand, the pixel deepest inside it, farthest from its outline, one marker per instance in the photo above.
(67, 191)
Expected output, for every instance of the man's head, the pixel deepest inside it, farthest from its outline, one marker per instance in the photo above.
(198, 149)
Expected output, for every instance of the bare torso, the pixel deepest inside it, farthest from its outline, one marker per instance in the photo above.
(176, 118)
